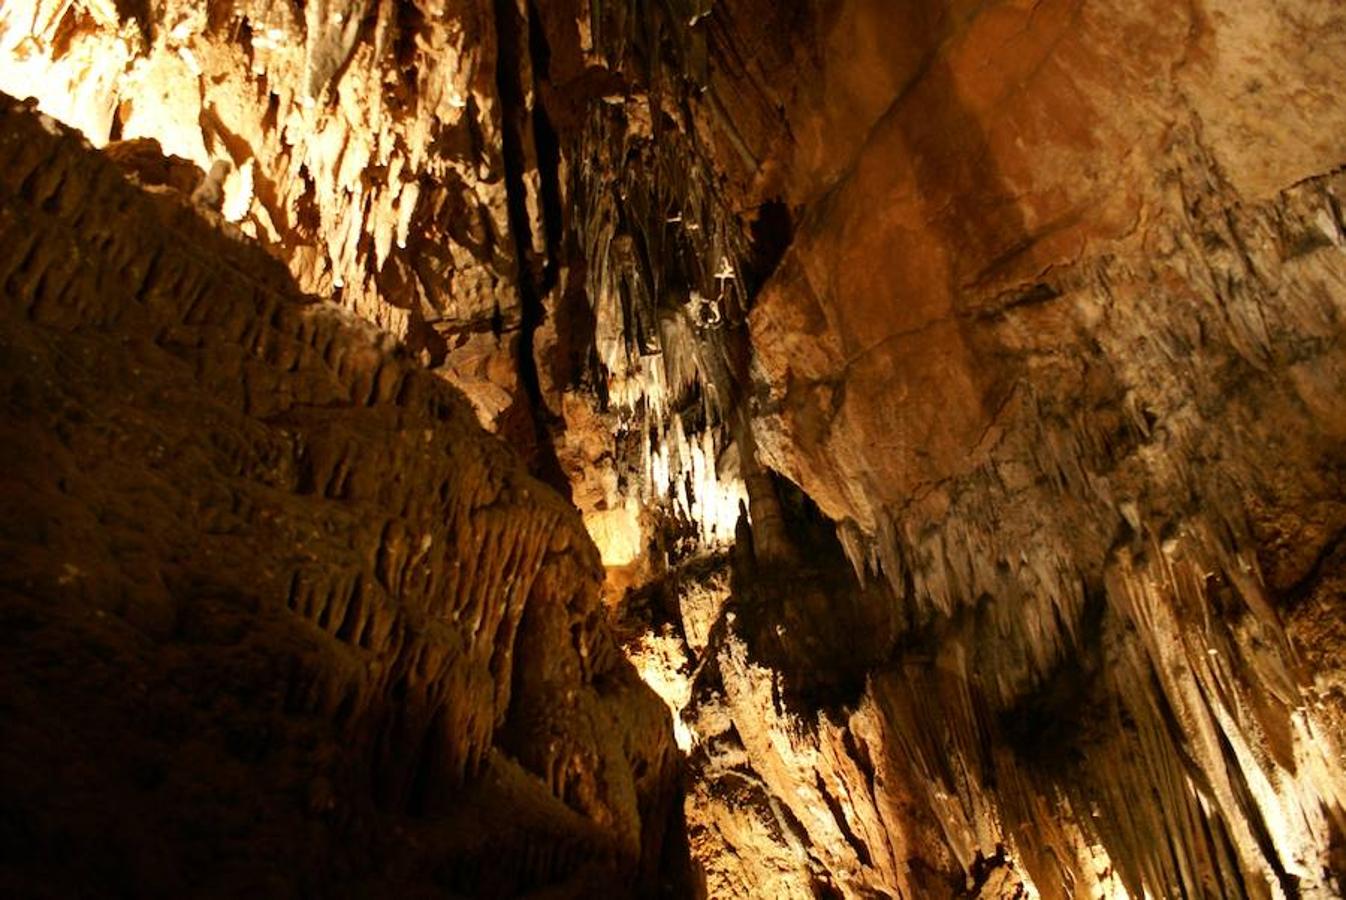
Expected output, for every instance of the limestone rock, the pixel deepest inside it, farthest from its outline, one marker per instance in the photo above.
(953, 391)
(280, 618)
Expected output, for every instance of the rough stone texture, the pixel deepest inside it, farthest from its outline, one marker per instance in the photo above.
(279, 618)
(443, 170)
(330, 135)
(995, 174)
(1058, 344)
(1017, 325)
(368, 146)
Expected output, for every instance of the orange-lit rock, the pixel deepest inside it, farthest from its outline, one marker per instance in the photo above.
(1057, 342)
(953, 390)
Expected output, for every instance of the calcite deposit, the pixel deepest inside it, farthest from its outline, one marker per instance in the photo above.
(941, 405)
(280, 618)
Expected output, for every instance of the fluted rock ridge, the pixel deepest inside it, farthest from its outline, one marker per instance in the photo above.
(280, 617)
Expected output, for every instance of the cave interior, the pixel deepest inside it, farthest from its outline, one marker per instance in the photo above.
(673, 448)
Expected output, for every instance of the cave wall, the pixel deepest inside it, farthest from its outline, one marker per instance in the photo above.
(446, 171)
(1016, 328)
(280, 618)
(1057, 343)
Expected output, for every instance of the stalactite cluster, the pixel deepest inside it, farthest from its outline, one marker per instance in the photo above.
(938, 405)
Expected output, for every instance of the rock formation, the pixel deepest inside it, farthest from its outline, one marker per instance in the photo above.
(280, 618)
(952, 392)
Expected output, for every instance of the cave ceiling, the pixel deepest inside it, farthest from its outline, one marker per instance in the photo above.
(720, 448)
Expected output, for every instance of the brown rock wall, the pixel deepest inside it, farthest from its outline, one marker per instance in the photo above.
(1016, 325)
(281, 617)
(1057, 342)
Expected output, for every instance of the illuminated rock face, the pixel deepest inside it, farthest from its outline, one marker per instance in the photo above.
(1058, 342)
(329, 143)
(400, 158)
(953, 391)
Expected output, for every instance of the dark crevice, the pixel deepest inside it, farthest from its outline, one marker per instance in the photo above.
(771, 231)
(802, 611)
(839, 815)
(1322, 566)
(547, 145)
(1261, 833)
(983, 867)
(1050, 727)
(532, 284)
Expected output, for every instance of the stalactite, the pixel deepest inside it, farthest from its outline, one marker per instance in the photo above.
(953, 396)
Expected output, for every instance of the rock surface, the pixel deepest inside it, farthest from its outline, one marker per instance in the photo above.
(1057, 343)
(444, 170)
(953, 391)
(279, 617)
